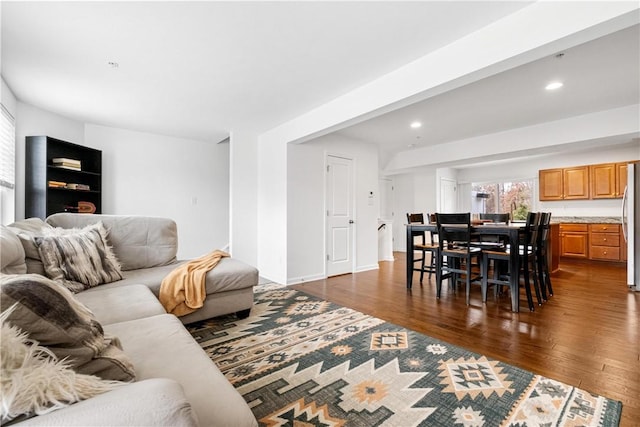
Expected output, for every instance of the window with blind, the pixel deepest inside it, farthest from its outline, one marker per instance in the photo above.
(7, 166)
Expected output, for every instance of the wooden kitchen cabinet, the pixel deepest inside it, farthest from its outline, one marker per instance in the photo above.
(564, 184)
(604, 242)
(550, 181)
(554, 250)
(575, 182)
(621, 178)
(608, 180)
(574, 240)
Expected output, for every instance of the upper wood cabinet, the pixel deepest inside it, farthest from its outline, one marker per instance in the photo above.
(550, 181)
(608, 180)
(576, 182)
(564, 184)
(621, 178)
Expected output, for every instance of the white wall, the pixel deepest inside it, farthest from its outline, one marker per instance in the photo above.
(145, 174)
(425, 194)
(414, 193)
(31, 121)
(404, 202)
(271, 239)
(243, 196)
(155, 175)
(306, 205)
(7, 98)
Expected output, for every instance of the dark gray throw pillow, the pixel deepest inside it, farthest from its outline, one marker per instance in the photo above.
(50, 314)
(79, 258)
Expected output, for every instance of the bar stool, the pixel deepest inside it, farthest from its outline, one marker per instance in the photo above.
(424, 247)
(528, 267)
(542, 254)
(454, 241)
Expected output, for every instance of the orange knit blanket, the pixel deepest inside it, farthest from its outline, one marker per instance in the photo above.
(183, 291)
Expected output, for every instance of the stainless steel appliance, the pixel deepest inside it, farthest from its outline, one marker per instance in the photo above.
(631, 224)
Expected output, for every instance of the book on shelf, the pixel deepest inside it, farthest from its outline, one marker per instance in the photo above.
(57, 184)
(64, 160)
(74, 186)
(74, 168)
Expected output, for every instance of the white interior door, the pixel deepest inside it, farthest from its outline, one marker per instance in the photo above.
(340, 224)
(447, 195)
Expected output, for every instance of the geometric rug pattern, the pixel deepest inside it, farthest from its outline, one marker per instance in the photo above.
(301, 361)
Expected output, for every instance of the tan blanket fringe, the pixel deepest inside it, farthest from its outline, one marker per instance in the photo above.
(183, 291)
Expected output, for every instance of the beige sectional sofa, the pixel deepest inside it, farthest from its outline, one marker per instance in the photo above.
(176, 382)
(146, 248)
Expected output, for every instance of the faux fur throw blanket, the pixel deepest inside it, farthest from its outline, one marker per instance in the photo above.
(183, 290)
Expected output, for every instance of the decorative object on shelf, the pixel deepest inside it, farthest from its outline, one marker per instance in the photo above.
(86, 207)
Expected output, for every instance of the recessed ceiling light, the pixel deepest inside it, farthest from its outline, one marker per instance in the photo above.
(416, 125)
(554, 85)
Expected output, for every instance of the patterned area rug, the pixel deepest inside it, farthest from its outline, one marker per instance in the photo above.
(301, 361)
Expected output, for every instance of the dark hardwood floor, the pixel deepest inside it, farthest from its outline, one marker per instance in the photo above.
(586, 335)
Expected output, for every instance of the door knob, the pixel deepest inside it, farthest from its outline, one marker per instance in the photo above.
(350, 221)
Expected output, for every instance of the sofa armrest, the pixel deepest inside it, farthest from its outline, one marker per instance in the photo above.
(12, 256)
(153, 402)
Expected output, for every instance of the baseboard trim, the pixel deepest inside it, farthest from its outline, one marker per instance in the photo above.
(303, 279)
(367, 268)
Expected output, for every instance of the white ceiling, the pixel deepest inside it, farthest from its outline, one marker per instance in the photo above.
(598, 75)
(200, 70)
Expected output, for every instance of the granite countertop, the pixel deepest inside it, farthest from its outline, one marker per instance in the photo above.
(585, 219)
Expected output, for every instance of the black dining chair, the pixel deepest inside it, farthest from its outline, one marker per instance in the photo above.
(528, 267)
(454, 242)
(424, 245)
(542, 253)
(494, 218)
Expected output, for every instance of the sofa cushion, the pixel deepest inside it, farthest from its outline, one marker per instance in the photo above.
(49, 314)
(27, 230)
(12, 257)
(122, 303)
(138, 241)
(79, 258)
(160, 346)
(34, 381)
(153, 402)
(229, 275)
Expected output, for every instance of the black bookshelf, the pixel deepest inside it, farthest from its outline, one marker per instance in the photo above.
(41, 199)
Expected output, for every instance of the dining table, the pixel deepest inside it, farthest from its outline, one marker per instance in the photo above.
(512, 231)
